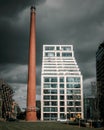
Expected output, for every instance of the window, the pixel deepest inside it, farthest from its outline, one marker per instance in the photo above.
(69, 97)
(53, 109)
(74, 97)
(66, 48)
(46, 91)
(61, 97)
(71, 109)
(62, 109)
(61, 85)
(46, 103)
(73, 79)
(77, 103)
(49, 54)
(78, 109)
(76, 85)
(77, 79)
(69, 85)
(47, 79)
(46, 97)
(47, 85)
(54, 91)
(58, 54)
(66, 54)
(61, 79)
(70, 79)
(70, 103)
(57, 48)
(61, 103)
(61, 91)
(50, 79)
(46, 109)
(53, 79)
(53, 116)
(53, 97)
(50, 86)
(49, 48)
(54, 103)
(46, 115)
(62, 115)
(53, 85)
(69, 91)
(78, 97)
(76, 91)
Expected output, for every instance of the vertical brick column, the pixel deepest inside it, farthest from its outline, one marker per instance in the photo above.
(31, 88)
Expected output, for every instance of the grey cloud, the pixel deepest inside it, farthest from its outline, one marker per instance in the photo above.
(38, 90)
(17, 73)
(87, 86)
(38, 73)
(14, 73)
(20, 94)
(11, 8)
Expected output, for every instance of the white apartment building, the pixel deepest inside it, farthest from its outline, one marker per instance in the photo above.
(61, 83)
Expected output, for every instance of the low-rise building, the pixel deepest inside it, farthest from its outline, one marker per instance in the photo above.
(8, 107)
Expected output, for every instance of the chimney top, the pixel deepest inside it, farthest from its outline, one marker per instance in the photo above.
(33, 8)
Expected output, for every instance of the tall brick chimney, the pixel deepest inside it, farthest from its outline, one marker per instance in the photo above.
(31, 87)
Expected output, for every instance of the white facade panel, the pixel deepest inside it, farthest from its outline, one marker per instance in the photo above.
(61, 83)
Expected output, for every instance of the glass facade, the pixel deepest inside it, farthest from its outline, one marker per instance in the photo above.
(100, 79)
(62, 85)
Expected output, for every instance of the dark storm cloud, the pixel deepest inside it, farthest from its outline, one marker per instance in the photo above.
(12, 45)
(76, 22)
(11, 8)
(14, 32)
(79, 23)
(72, 22)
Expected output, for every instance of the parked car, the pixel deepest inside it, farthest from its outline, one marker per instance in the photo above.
(62, 120)
(84, 123)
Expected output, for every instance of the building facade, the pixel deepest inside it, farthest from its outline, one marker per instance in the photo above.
(6, 94)
(89, 107)
(100, 78)
(61, 83)
(8, 107)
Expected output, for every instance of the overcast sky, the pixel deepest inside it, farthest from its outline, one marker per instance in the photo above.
(76, 22)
